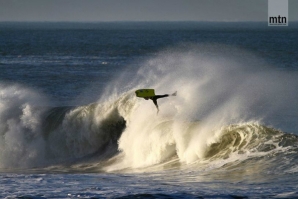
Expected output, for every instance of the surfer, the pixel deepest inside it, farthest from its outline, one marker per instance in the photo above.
(155, 97)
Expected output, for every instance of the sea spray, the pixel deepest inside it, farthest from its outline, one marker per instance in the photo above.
(215, 90)
(36, 134)
(217, 86)
(21, 140)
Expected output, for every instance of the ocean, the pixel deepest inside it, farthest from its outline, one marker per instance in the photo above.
(71, 125)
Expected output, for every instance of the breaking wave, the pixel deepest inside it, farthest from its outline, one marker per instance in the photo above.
(227, 111)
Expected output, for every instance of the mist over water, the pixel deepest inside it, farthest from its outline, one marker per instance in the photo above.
(219, 88)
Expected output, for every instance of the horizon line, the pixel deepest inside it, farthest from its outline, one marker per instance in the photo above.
(134, 21)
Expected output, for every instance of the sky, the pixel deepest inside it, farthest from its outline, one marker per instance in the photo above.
(138, 10)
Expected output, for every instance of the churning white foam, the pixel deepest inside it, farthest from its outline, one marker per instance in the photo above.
(217, 86)
(21, 143)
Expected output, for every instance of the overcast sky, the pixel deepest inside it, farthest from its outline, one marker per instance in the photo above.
(138, 10)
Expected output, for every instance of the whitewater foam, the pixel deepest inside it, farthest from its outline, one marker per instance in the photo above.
(20, 127)
(219, 87)
(223, 105)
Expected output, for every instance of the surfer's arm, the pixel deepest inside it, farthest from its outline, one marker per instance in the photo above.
(155, 103)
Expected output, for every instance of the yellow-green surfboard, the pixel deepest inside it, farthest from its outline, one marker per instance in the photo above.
(146, 92)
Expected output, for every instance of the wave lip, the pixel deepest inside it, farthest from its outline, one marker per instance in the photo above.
(241, 138)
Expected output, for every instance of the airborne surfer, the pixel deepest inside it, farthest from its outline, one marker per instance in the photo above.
(150, 94)
(154, 98)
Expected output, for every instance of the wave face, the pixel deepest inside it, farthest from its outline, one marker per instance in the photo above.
(34, 134)
(230, 108)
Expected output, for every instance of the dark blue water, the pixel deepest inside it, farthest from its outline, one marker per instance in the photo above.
(71, 127)
(70, 56)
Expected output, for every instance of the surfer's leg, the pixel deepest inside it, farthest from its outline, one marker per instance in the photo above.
(160, 96)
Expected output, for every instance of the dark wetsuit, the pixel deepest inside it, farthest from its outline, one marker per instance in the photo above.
(154, 99)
